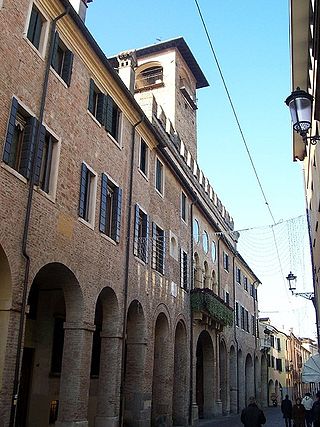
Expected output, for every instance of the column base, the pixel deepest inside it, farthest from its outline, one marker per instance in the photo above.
(217, 408)
(106, 422)
(71, 423)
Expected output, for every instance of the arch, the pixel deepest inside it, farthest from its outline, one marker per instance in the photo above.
(197, 273)
(249, 378)
(106, 353)
(257, 378)
(204, 375)
(270, 392)
(241, 380)
(161, 384)
(134, 364)
(264, 381)
(233, 380)
(224, 380)
(206, 277)
(180, 377)
(214, 283)
(5, 306)
(55, 297)
(149, 74)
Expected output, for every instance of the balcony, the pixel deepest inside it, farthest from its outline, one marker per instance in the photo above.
(208, 304)
(265, 343)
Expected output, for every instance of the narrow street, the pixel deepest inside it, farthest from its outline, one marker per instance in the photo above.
(273, 415)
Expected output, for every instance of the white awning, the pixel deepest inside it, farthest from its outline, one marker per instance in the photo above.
(311, 370)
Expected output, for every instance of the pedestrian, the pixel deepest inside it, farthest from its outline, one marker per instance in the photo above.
(307, 402)
(298, 414)
(286, 409)
(252, 415)
(315, 411)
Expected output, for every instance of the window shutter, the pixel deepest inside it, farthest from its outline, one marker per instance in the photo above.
(154, 245)
(101, 108)
(39, 154)
(10, 130)
(181, 268)
(55, 50)
(146, 243)
(32, 24)
(28, 147)
(116, 220)
(67, 67)
(136, 231)
(163, 251)
(91, 97)
(103, 204)
(109, 114)
(83, 182)
(187, 272)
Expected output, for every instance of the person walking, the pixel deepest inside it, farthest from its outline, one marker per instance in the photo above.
(252, 415)
(286, 409)
(307, 402)
(298, 414)
(315, 411)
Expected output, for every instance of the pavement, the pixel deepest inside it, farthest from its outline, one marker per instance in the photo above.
(273, 416)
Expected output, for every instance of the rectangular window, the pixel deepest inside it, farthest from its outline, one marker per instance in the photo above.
(247, 320)
(183, 206)
(113, 118)
(272, 341)
(227, 298)
(36, 27)
(159, 176)
(238, 275)
(62, 59)
(278, 344)
(97, 103)
(20, 140)
(279, 365)
(237, 314)
(242, 318)
(110, 208)
(87, 194)
(184, 269)
(141, 234)
(44, 166)
(272, 361)
(245, 283)
(225, 261)
(144, 157)
(253, 325)
(158, 248)
(252, 289)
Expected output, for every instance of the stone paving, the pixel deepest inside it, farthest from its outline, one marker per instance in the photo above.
(273, 415)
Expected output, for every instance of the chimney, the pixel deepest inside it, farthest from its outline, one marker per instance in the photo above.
(127, 62)
(80, 6)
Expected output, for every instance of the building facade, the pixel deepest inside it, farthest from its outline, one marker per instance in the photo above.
(123, 298)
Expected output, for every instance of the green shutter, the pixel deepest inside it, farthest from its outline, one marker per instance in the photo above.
(10, 130)
(109, 114)
(39, 154)
(101, 108)
(116, 220)
(162, 254)
(91, 97)
(67, 67)
(146, 242)
(103, 204)
(154, 246)
(136, 231)
(55, 50)
(83, 186)
(27, 150)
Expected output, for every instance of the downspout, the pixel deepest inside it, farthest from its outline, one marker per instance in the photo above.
(126, 276)
(191, 312)
(235, 333)
(27, 223)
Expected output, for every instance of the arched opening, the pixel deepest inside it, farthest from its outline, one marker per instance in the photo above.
(5, 306)
(249, 378)
(271, 392)
(161, 385)
(276, 392)
(134, 365)
(105, 366)
(214, 283)
(206, 277)
(241, 381)
(204, 375)
(224, 380)
(233, 380)
(49, 364)
(257, 378)
(149, 75)
(197, 272)
(264, 381)
(180, 377)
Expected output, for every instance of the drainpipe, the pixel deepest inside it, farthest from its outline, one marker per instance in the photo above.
(27, 223)
(235, 332)
(126, 276)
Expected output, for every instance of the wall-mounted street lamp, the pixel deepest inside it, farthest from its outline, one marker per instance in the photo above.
(300, 105)
(292, 280)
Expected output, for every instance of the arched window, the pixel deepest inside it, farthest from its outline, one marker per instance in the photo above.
(149, 75)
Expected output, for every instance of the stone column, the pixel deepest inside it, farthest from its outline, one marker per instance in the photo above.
(109, 381)
(217, 394)
(75, 375)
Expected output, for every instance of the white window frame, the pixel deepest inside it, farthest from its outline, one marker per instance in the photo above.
(161, 193)
(44, 32)
(93, 197)
(185, 220)
(144, 174)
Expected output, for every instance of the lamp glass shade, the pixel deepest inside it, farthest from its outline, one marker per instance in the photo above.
(300, 103)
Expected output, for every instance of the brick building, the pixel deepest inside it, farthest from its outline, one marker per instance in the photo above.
(123, 298)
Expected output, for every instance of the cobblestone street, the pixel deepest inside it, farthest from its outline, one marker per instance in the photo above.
(273, 415)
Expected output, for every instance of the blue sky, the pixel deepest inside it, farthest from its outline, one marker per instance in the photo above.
(251, 41)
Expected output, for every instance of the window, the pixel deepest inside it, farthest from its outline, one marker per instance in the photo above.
(252, 289)
(225, 261)
(183, 206)
(272, 340)
(279, 365)
(110, 208)
(184, 269)
(36, 27)
(227, 298)
(245, 283)
(205, 242)
(278, 344)
(113, 118)
(150, 76)
(196, 230)
(253, 325)
(45, 161)
(272, 361)
(144, 157)
(159, 176)
(141, 234)
(242, 318)
(237, 314)
(213, 251)
(246, 320)
(238, 275)
(158, 248)
(20, 139)
(62, 59)
(97, 103)
(87, 194)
